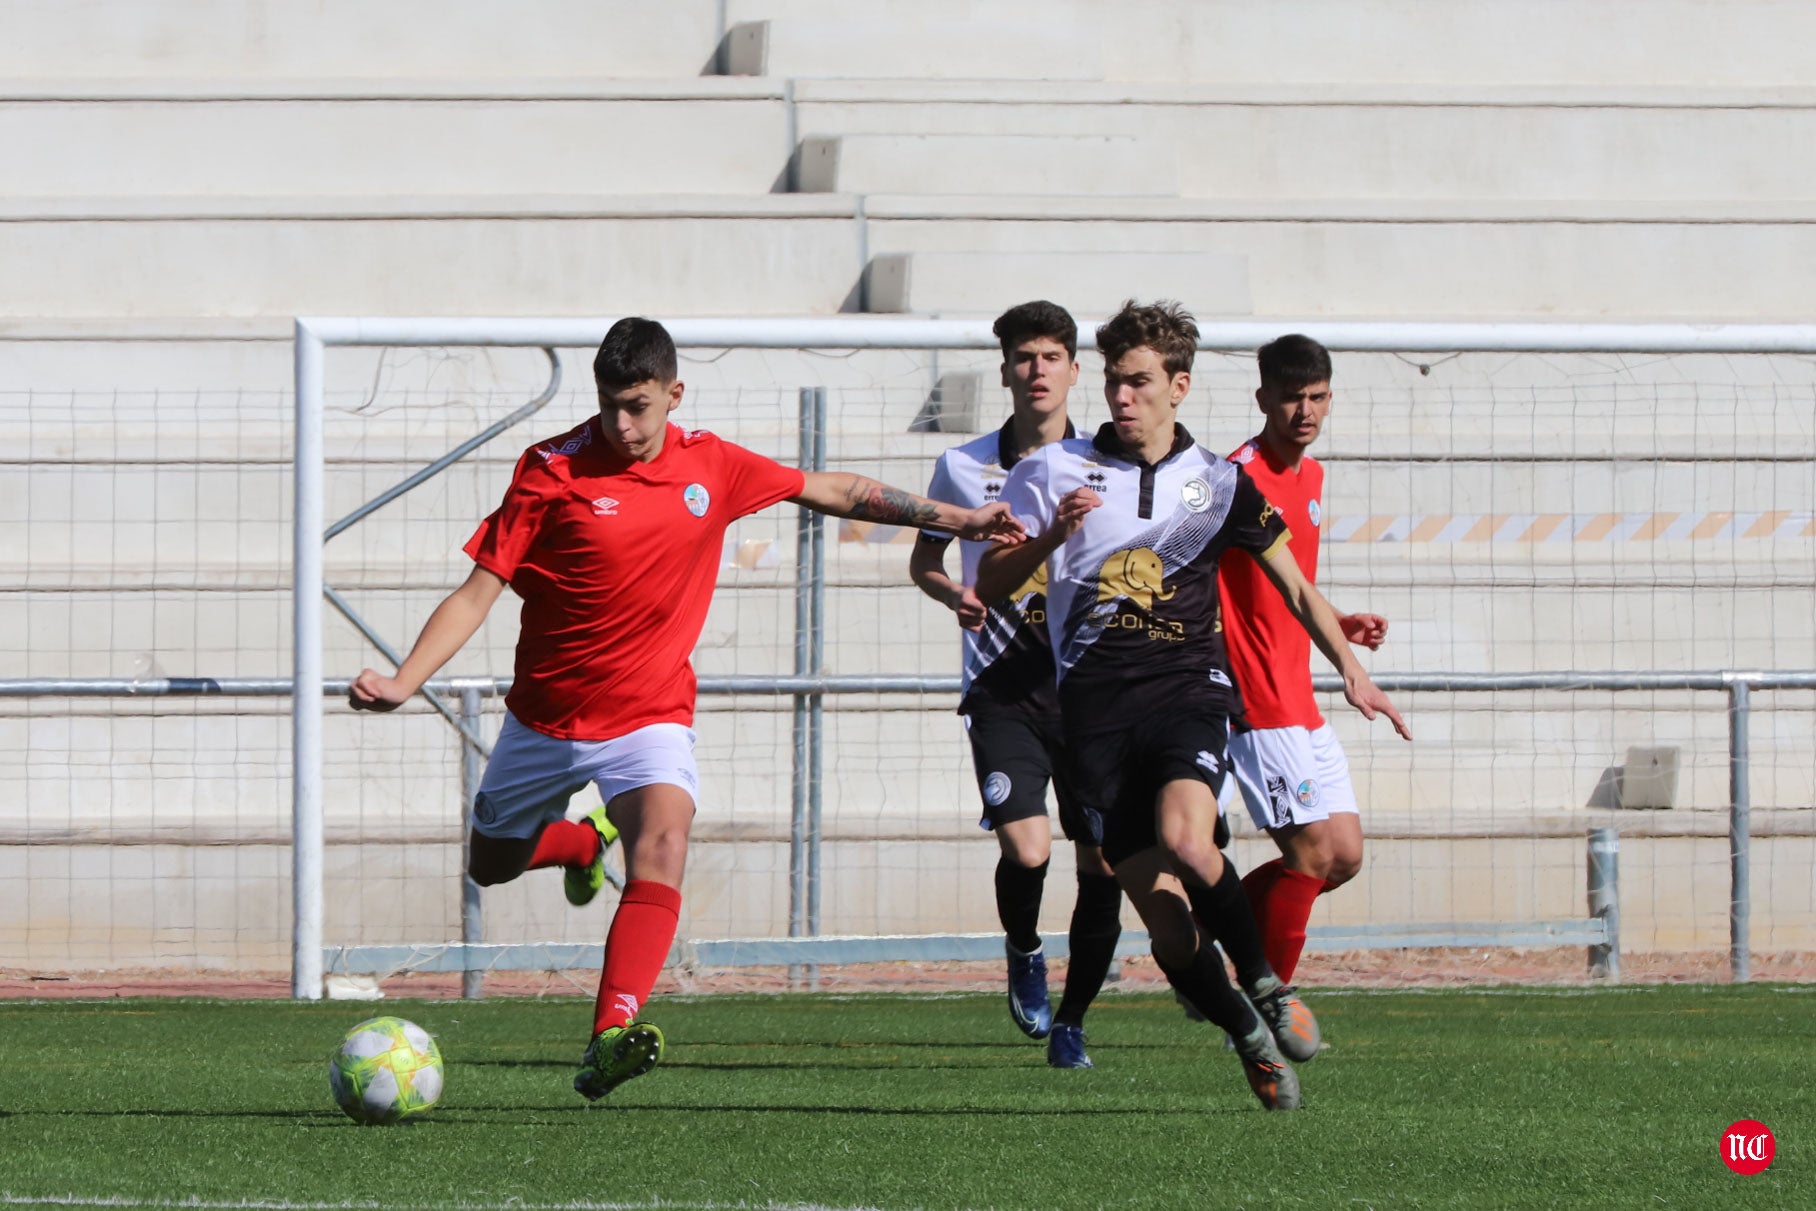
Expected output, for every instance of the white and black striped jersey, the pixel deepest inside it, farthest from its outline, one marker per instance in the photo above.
(1132, 596)
(1009, 659)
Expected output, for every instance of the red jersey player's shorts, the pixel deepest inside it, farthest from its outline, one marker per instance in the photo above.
(531, 777)
(1291, 775)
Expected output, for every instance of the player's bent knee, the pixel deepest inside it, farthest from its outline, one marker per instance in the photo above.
(1196, 857)
(1343, 869)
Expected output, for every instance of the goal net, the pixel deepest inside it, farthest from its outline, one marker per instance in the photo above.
(1561, 507)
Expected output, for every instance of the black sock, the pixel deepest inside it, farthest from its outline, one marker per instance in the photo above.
(1207, 986)
(1096, 925)
(1223, 911)
(1018, 902)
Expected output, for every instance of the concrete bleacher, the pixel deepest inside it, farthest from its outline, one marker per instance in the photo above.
(182, 179)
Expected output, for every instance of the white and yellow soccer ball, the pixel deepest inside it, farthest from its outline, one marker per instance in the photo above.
(385, 1070)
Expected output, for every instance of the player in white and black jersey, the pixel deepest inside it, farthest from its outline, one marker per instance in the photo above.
(1010, 704)
(1130, 524)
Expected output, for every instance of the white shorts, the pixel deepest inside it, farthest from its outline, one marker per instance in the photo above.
(531, 777)
(1291, 776)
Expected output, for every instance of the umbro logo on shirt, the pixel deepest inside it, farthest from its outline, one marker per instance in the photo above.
(605, 506)
(572, 445)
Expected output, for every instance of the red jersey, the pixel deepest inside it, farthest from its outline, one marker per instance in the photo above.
(616, 564)
(1270, 653)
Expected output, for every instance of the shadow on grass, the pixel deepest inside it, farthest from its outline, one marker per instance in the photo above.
(472, 1115)
(288, 1115)
(475, 1114)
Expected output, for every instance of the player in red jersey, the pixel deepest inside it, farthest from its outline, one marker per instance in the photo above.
(1288, 763)
(612, 535)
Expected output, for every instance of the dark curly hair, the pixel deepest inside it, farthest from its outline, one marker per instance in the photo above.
(1165, 327)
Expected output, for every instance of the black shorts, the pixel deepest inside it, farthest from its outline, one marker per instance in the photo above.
(1121, 768)
(1017, 749)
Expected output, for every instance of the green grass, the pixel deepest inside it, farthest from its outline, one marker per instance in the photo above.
(1427, 1099)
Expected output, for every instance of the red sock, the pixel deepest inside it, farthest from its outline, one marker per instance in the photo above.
(1282, 900)
(642, 931)
(565, 843)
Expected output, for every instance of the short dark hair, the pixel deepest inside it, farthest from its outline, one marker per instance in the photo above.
(635, 351)
(1031, 321)
(1165, 327)
(1291, 362)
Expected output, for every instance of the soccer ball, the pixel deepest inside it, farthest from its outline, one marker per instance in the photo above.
(385, 1070)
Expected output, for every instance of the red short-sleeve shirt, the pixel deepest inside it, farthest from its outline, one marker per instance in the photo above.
(616, 563)
(1269, 651)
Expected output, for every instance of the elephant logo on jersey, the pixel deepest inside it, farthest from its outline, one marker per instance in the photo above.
(1137, 575)
(1035, 585)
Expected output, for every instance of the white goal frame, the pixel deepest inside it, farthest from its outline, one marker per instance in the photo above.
(314, 336)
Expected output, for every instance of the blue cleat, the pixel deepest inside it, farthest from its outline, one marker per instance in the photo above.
(1066, 1047)
(1028, 1003)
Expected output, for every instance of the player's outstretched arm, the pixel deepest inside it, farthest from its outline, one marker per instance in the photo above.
(1321, 622)
(927, 568)
(864, 499)
(447, 630)
(1004, 569)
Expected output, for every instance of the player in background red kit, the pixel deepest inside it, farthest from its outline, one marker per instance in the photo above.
(612, 535)
(1288, 763)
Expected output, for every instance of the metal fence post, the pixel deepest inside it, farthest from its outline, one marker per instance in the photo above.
(816, 663)
(1740, 808)
(1605, 902)
(803, 609)
(472, 767)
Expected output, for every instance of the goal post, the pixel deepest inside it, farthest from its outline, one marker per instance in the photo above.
(315, 337)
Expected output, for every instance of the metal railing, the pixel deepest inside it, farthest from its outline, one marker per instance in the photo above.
(1599, 931)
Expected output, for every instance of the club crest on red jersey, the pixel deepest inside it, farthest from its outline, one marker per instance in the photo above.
(1314, 513)
(697, 499)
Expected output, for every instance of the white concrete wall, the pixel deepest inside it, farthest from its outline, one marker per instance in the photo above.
(1598, 42)
(186, 178)
(333, 146)
(314, 39)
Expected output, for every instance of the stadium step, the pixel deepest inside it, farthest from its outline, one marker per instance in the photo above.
(1090, 283)
(334, 39)
(1409, 141)
(795, 254)
(1023, 164)
(462, 138)
(1235, 42)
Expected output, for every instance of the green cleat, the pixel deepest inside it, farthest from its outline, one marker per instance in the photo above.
(582, 883)
(615, 1056)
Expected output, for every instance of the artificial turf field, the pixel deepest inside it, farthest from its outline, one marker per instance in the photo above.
(1517, 1097)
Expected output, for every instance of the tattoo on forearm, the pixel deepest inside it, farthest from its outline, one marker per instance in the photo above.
(867, 500)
